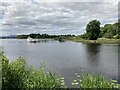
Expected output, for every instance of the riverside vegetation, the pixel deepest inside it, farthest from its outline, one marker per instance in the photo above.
(18, 75)
(109, 33)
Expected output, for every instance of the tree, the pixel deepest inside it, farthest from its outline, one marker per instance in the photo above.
(93, 29)
(110, 31)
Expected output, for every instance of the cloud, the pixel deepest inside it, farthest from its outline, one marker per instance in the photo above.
(54, 17)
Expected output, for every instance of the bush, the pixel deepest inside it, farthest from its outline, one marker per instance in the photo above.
(85, 36)
(108, 35)
(17, 75)
(116, 36)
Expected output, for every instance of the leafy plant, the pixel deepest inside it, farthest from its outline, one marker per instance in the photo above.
(92, 81)
(17, 75)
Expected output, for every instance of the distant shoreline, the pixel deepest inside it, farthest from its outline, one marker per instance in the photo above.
(98, 41)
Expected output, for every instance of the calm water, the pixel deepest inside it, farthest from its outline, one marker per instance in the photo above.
(66, 58)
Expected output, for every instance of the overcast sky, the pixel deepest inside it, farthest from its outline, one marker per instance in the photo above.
(54, 16)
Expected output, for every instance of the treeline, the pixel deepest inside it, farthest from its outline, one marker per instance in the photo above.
(94, 31)
(42, 36)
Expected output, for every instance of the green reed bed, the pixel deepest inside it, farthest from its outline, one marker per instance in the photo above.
(93, 81)
(17, 75)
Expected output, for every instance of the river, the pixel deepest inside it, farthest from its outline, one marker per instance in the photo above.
(66, 58)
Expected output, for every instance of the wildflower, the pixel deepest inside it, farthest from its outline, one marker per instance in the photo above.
(62, 78)
(116, 86)
(47, 72)
(62, 84)
(80, 80)
(75, 83)
(57, 79)
(78, 76)
(81, 85)
(75, 80)
(62, 81)
(76, 73)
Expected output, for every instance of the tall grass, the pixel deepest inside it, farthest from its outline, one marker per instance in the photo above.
(17, 75)
(93, 81)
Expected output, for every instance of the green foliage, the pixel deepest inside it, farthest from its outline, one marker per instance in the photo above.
(42, 36)
(85, 36)
(17, 75)
(93, 29)
(110, 31)
(21, 36)
(92, 81)
(117, 36)
(61, 39)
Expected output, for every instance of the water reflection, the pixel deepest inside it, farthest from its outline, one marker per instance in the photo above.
(45, 40)
(92, 53)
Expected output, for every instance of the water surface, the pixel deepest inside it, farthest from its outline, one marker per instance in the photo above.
(66, 58)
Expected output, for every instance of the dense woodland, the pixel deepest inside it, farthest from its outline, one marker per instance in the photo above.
(110, 31)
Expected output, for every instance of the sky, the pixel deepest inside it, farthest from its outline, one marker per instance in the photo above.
(54, 16)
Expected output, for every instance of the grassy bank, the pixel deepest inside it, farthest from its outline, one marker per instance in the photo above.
(99, 40)
(17, 75)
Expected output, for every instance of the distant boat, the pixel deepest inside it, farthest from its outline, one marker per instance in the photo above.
(30, 40)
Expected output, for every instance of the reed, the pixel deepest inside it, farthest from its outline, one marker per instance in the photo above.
(17, 75)
(93, 81)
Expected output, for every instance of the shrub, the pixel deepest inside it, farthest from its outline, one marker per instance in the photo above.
(17, 75)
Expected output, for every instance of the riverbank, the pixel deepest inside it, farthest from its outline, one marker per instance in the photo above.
(99, 40)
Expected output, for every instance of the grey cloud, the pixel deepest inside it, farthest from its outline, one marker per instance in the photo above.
(7, 24)
(25, 22)
(55, 18)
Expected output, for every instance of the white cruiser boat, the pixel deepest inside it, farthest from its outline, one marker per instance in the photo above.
(30, 40)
